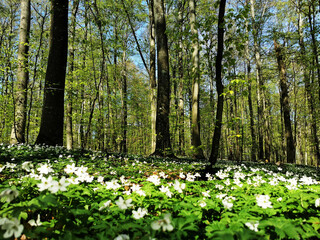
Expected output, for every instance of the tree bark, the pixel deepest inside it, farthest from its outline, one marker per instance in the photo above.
(218, 124)
(152, 76)
(69, 128)
(259, 79)
(180, 84)
(20, 115)
(284, 100)
(195, 119)
(306, 79)
(51, 128)
(163, 145)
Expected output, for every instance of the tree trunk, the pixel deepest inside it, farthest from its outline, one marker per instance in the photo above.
(152, 76)
(284, 101)
(218, 124)
(69, 130)
(124, 113)
(195, 119)
(20, 115)
(163, 145)
(51, 128)
(306, 79)
(259, 79)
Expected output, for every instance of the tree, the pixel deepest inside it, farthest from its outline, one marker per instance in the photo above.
(51, 128)
(195, 118)
(19, 126)
(163, 145)
(284, 100)
(218, 121)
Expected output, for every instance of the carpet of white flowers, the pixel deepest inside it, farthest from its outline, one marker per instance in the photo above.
(52, 193)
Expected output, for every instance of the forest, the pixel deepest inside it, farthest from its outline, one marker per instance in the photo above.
(236, 80)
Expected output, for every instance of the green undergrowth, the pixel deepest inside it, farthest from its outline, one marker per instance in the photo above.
(52, 193)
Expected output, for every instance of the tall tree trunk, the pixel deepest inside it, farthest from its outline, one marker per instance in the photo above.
(311, 19)
(180, 83)
(152, 76)
(124, 112)
(163, 145)
(69, 130)
(284, 100)
(20, 115)
(218, 124)
(260, 80)
(195, 119)
(51, 128)
(306, 79)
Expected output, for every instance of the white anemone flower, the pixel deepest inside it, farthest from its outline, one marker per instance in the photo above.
(164, 223)
(9, 194)
(140, 213)
(11, 227)
(124, 204)
(263, 201)
(253, 226)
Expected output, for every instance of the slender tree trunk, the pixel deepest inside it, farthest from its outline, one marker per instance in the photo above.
(20, 116)
(124, 108)
(284, 100)
(69, 130)
(163, 145)
(218, 124)
(260, 80)
(152, 76)
(314, 42)
(310, 97)
(195, 119)
(180, 83)
(51, 128)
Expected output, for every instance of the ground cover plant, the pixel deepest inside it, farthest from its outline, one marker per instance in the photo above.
(52, 193)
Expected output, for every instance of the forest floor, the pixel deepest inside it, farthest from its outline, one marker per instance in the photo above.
(53, 193)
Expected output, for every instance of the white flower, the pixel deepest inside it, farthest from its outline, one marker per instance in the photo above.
(220, 196)
(166, 191)
(190, 177)
(222, 175)
(27, 166)
(179, 186)
(34, 223)
(100, 179)
(45, 183)
(113, 184)
(135, 188)
(227, 202)
(105, 205)
(253, 226)
(208, 175)
(181, 175)
(11, 227)
(279, 199)
(140, 213)
(263, 201)
(206, 193)
(44, 169)
(202, 203)
(163, 175)
(54, 186)
(317, 202)
(9, 194)
(122, 237)
(70, 168)
(154, 179)
(124, 204)
(164, 223)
